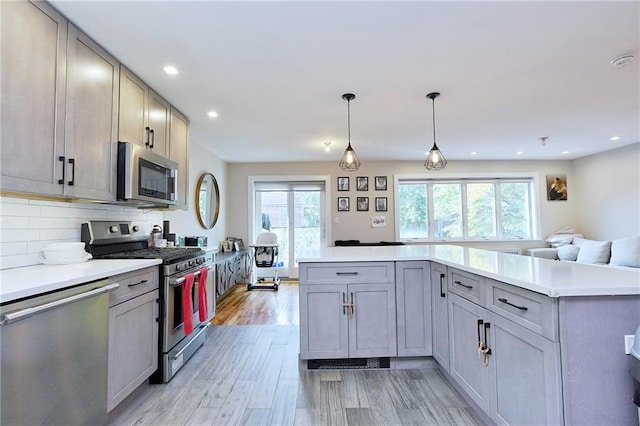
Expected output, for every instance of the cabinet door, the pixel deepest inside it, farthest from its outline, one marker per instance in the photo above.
(33, 69)
(372, 326)
(91, 119)
(133, 345)
(413, 293)
(133, 118)
(158, 124)
(323, 321)
(466, 368)
(440, 315)
(525, 382)
(179, 152)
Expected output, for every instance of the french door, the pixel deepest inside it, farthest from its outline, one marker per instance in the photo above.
(296, 213)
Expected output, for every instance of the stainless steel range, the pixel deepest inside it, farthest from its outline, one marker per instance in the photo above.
(128, 240)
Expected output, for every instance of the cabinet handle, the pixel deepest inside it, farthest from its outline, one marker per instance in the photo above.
(344, 303)
(480, 322)
(463, 285)
(346, 273)
(147, 130)
(72, 161)
(441, 290)
(61, 181)
(505, 301)
(353, 306)
(486, 341)
(153, 138)
(138, 283)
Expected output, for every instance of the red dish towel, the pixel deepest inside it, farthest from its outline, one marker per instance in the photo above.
(203, 311)
(187, 304)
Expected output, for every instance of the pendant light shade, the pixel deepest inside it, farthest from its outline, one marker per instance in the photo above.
(435, 159)
(349, 161)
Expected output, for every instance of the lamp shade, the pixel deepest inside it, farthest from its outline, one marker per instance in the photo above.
(349, 161)
(435, 160)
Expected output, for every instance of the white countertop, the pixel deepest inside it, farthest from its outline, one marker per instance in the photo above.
(550, 277)
(17, 283)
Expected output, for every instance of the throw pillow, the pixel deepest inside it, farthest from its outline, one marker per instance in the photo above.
(568, 252)
(626, 252)
(594, 252)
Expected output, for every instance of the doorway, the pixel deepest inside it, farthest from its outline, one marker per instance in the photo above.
(296, 211)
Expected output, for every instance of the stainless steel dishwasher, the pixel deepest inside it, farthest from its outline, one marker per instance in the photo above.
(54, 357)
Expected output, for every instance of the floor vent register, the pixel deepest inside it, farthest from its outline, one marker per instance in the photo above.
(344, 363)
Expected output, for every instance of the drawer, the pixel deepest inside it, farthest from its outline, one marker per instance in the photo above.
(133, 284)
(347, 272)
(531, 310)
(467, 285)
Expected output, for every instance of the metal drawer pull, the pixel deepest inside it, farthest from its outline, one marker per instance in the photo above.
(441, 290)
(138, 283)
(463, 285)
(503, 300)
(72, 161)
(61, 181)
(346, 273)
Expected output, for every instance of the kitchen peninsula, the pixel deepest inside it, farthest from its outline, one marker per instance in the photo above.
(525, 339)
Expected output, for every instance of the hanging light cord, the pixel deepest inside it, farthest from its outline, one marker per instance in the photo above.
(349, 121)
(433, 111)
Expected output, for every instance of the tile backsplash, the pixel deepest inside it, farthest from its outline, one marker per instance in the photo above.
(26, 226)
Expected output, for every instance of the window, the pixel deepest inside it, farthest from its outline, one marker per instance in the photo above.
(465, 209)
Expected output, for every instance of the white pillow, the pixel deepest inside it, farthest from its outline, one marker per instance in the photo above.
(579, 241)
(594, 252)
(626, 252)
(568, 252)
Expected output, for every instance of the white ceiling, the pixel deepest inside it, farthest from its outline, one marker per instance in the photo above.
(509, 73)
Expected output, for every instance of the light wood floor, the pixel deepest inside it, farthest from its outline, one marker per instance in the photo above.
(259, 307)
(248, 375)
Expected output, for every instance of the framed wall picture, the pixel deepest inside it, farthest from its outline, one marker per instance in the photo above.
(556, 187)
(381, 183)
(343, 204)
(343, 183)
(362, 183)
(381, 204)
(363, 204)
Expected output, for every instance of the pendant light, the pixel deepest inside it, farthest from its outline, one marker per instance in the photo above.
(349, 161)
(435, 159)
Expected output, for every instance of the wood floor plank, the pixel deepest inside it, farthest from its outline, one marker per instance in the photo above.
(267, 382)
(258, 356)
(232, 410)
(308, 390)
(203, 416)
(361, 417)
(283, 408)
(355, 395)
(307, 417)
(379, 400)
(411, 416)
(331, 410)
(255, 417)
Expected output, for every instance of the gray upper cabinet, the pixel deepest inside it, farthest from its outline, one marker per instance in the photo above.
(33, 67)
(179, 152)
(440, 315)
(91, 119)
(144, 115)
(413, 294)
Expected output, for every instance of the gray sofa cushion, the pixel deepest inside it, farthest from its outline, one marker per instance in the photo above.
(568, 252)
(594, 252)
(626, 252)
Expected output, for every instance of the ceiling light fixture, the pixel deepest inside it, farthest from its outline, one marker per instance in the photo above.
(435, 160)
(622, 61)
(171, 70)
(327, 146)
(614, 138)
(349, 161)
(212, 114)
(543, 140)
(519, 153)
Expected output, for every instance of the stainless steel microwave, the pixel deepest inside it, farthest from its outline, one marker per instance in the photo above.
(144, 177)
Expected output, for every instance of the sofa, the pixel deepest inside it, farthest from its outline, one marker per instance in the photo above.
(623, 252)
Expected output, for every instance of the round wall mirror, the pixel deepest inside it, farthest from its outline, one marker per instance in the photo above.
(207, 200)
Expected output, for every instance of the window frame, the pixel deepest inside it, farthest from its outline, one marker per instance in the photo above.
(467, 178)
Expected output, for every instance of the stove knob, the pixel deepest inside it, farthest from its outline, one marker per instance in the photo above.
(179, 267)
(135, 228)
(192, 262)
(113, 229)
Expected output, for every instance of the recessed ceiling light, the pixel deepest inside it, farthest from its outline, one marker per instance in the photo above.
(565, 152)
(622, 61)
(171, 70)
(614, 138)
(212, 114)
(474, 153)
(519, 152)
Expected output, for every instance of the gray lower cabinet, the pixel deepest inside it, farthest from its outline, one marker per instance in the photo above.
(347, 310)
(520, 380)
(413, 296)
(440, 315)
(347, 321)
(133, 333)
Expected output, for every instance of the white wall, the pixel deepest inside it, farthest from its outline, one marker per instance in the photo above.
(356, 225)
(201, 160)
(607, 188)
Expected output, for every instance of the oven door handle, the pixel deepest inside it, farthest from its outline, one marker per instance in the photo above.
(178, 281)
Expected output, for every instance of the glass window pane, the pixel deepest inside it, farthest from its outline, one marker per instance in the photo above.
(481, 210)
(516, 210)
(412, 210)
(307, 230)
(447, 210)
